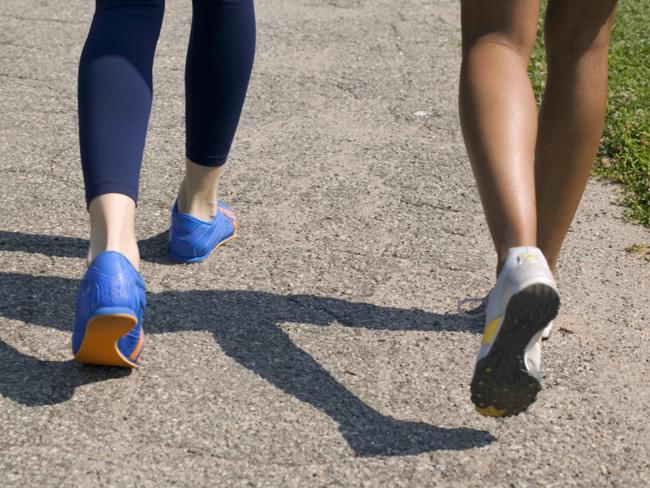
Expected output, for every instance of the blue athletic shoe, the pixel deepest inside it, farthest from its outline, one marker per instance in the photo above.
(108, 320)
(192, 240)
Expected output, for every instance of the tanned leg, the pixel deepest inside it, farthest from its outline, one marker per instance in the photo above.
(572, 113)
(499, 116)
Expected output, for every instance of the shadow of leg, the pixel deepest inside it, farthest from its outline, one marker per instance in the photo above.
(244, 325)
(67, 247)
(33, 382)
(156, 248)
(379, 435)
(265, 349)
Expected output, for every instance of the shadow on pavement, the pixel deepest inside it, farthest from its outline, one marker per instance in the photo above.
(34, 382)
(246, 324)
(153, 249)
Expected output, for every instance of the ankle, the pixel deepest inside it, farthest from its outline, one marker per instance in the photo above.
(197, 194)
(112, 227)
(199, 203)
(127, 247)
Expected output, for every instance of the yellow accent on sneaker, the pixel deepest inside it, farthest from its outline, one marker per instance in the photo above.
(491, 411)
(491, 330)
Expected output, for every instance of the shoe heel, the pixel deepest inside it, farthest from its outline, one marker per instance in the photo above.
(502, 385)
(104, 329)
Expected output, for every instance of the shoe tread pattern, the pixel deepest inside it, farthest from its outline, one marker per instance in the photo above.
(502, 385)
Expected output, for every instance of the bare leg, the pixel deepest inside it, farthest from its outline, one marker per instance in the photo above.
(112, 227)
(498, 115)
(198, 192)
(572, 113)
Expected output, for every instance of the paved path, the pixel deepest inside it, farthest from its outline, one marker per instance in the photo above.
(324, 347)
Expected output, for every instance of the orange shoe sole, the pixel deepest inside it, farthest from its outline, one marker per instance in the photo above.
(99, 345)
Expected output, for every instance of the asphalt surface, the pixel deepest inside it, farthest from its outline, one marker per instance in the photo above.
(325, 346)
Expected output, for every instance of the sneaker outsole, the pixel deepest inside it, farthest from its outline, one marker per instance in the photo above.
(99, 345)
(502, 385)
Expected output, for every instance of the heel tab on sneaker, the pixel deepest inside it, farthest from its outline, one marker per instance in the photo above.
(113, 261)
(523, 254)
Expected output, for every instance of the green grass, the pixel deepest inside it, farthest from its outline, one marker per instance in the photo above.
(624, 154)
(642, 250)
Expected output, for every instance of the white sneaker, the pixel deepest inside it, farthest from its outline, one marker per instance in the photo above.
(520, 307)
(548, 331)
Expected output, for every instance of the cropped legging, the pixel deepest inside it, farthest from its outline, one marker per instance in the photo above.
(115, 86)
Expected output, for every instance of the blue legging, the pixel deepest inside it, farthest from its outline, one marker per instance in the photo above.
(115, 86)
